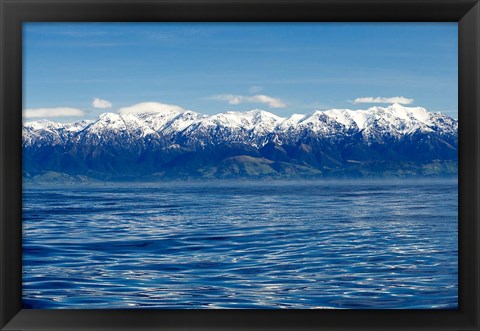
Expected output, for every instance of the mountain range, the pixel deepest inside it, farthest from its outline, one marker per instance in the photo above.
(393, 141)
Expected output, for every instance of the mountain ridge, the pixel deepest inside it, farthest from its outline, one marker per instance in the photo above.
(320, 143)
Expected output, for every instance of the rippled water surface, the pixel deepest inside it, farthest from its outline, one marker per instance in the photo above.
(241, 245)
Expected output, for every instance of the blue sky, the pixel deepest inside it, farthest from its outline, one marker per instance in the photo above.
(283, 68)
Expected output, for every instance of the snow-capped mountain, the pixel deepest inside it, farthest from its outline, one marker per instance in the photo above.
(178, 141)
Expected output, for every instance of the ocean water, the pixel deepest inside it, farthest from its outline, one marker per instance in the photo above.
(230, 244)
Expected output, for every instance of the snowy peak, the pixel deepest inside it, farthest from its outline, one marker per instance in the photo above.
(396, 119)
(109, 120)
(251, 127)
(262, 115)
(42, 125)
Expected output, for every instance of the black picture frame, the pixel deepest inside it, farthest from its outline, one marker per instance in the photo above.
(14, 12)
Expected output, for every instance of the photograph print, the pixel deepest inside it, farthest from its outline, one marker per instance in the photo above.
(240, 165)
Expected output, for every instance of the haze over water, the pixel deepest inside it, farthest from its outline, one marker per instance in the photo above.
(242, 244)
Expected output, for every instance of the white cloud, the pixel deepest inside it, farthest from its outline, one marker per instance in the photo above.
(101, 103)
(52, 112)
(400, 100)
(259, 98)
(150, 107)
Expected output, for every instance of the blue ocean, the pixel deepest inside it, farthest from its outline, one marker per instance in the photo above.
(242, 244)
